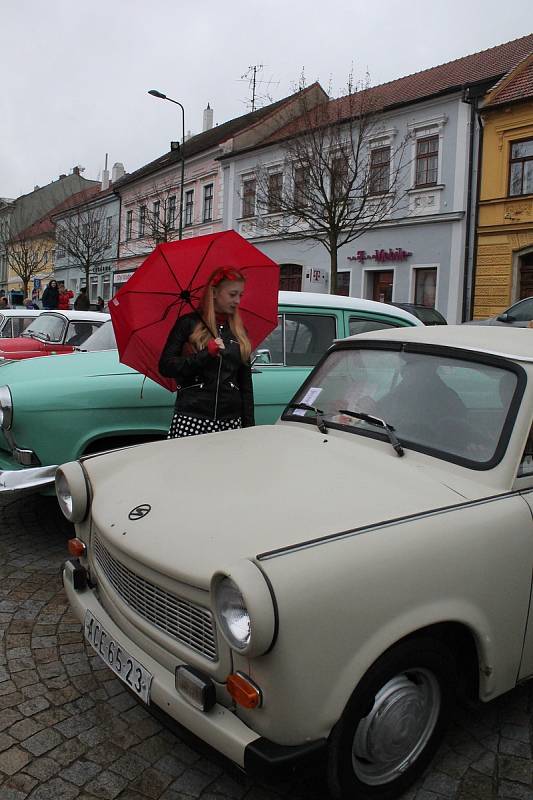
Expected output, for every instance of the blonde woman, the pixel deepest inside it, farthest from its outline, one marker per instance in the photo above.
(208, 355)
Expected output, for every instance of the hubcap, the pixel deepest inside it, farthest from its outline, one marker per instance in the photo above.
(397, 728)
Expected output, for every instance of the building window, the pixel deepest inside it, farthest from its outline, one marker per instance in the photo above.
(171, 221)
(208, 203)
(248, 197)
(155, 210)
(339, 176)
(425, 287)
(379, 174)
(189, 206)
(521, 168)
(301, 187)
(382, 286)
(275, 184)
(290, 278)
(129, 222)
(427, 161)
(142, 221)
(343, 283)
(60, 251)
(108, 223)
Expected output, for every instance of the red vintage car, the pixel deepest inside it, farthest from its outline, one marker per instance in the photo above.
(53, 332)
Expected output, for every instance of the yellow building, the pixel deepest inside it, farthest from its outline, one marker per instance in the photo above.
(504, 262)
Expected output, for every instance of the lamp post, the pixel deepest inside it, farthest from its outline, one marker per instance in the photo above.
(162, 96)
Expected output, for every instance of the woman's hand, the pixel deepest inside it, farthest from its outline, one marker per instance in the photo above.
(219, 343)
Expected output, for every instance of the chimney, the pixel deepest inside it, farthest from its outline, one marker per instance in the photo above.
(75, 170)
(118, 171)
(62, 176)
(105, 176)
(208, 118)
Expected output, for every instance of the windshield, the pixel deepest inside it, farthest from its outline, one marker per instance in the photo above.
(47, 327)
(448, 406)
(102, 339)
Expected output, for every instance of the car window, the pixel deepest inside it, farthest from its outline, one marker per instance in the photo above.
(103, 338)
(78, 332)
(526, 464)
(523, 311)
(299, 340)
(6, 330)
(430, 316)
(20, 324)
(361, 325)
(433, 402)
(47, 327)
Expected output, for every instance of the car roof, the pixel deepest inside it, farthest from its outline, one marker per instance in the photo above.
(20, 312)
(87, 316)
(514, 343)
(346, 303)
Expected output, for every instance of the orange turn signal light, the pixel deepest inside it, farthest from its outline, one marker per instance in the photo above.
(76, 547)
(243, 690)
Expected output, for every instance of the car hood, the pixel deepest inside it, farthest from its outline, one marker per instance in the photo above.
(22, 344)
(63, 367)
(221, 497)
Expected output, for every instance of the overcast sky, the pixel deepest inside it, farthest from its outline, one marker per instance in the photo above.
(75, 74)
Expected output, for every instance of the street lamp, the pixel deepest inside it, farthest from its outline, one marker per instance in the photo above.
(162, 96)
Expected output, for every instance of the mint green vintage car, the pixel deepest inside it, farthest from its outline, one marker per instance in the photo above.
(58, 408)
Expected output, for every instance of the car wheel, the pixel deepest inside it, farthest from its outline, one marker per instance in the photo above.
(393, 722)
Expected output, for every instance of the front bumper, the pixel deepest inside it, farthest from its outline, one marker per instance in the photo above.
(32, 479)
(219, 727)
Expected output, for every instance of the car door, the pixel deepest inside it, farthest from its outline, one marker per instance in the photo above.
(524, 483)
(285, 358)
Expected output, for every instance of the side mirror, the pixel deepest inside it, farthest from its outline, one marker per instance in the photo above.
(262, 357)
(505, 317)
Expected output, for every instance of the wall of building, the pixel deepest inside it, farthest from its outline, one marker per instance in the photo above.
(428, 224)
(505, 223)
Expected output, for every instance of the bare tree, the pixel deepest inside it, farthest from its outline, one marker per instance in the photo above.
(154, 217)
(81, 233)
(341, 174)
(28, 258)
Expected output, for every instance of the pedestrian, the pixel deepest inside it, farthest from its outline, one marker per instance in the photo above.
(82, 302)
(3, 302)
(100, 303)
(51, 296)
(208, 355)
(30, 304)
(65, 296)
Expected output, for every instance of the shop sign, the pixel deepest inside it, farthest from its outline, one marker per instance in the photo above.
(398, 254)
(100, 269)
(122, 277)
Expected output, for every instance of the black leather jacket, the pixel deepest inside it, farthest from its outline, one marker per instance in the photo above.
(208, 386)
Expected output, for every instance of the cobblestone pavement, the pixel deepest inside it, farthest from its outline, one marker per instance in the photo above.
(68, 729)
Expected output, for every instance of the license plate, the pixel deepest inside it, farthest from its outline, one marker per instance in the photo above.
(116, 658)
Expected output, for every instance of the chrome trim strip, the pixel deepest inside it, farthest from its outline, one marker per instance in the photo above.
(332, 537)
(26, 480)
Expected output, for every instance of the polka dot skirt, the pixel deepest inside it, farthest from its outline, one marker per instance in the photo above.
(183, 425)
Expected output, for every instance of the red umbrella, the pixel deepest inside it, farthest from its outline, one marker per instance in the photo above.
(170, 283)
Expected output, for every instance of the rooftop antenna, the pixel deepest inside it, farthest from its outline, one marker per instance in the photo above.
(250, 76)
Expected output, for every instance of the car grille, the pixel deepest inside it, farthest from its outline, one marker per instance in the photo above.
(190, 624)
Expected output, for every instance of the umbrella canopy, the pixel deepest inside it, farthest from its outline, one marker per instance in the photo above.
(170, 283)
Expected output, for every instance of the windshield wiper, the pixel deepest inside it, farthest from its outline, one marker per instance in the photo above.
(379, 423)
(321, 425)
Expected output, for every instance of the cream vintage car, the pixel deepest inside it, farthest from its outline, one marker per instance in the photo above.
(328, 584)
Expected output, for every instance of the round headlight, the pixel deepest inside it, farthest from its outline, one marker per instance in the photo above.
(6, 408)
(71, 491)
(232, 614)
(244, 608)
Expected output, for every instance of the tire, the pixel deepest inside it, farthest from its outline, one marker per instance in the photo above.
(393, 722)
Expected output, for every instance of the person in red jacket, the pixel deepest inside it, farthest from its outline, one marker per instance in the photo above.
(65, 296)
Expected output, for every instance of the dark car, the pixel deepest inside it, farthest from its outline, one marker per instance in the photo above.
(429, 316)
(518, 315)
